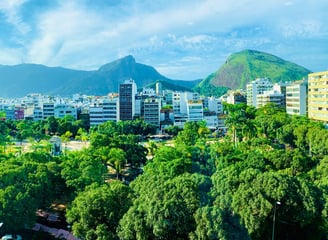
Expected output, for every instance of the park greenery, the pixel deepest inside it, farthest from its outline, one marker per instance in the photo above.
(196, 186)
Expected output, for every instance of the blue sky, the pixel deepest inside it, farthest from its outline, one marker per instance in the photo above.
(182, 39)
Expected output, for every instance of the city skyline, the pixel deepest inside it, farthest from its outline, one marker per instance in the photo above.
(182, 40)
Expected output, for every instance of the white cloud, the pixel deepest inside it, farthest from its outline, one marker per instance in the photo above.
(11, 11)
(304, 29)
(167, 32)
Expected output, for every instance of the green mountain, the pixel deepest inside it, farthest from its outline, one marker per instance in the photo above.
(245, 66)
(19, 80)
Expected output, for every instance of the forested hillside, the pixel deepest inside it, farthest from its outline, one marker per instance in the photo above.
(245, 66)
(196, 186)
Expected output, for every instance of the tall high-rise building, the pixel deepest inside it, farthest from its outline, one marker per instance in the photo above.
(318, 96)
(159, 88)
(127, 94)
(296, 98)
(256, 87)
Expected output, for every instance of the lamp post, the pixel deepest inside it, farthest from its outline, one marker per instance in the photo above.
(274, 217)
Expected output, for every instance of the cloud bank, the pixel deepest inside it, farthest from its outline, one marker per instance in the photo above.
(185, 39)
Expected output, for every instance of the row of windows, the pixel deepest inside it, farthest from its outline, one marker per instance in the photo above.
(318, 109)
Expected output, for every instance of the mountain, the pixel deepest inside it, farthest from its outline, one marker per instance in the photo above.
(245, 66)
(19, 80)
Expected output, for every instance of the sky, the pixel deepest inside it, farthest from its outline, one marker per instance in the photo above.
(182, 39)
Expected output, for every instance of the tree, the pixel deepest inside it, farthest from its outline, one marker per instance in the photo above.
(28, 182)
(160, 209)
(215, 223)
(117, 160)
(189, 135)
(66, 138)
(24, 130)
(82, 168)
(4, 131)
(95, 212)
(235, 119)
(82, 135)
(270, 119)
(173, 130)
(253, 193)
(51, 125)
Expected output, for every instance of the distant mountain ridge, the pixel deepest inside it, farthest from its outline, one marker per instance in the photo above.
(245, 66)
(236, 72)
(22, 79)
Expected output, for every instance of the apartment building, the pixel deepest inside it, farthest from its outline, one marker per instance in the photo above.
(195, 110)
(296, 98)
(151, 111)
(63, 109)
(104, 110)
(276, 96)
(48, 110)
(256, 87)
(318, 96)
(37, 114)
(213, 104)
(180, 100)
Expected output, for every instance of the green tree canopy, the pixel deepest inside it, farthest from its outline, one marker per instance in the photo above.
(95, 212)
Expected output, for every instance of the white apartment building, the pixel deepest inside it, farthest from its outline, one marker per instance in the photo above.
(256, 87)
(151, 111)
(235, 96)
(104, 110)
(272, 96)
(212, 121)
(214, 105)
(63, 109)
(296, 98)
(195, 110)
(180, 119)
(180, 100)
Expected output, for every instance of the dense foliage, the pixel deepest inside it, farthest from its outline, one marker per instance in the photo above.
(194, 187)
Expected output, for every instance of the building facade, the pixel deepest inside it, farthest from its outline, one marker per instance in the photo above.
(195, 111)
(256, 87)
(151, 111)
(48, 110)
(127, 93)
(296, 98)
(104, 110)
(318, 96)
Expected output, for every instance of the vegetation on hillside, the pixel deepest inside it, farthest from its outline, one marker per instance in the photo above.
(245, 66)
(205, 88)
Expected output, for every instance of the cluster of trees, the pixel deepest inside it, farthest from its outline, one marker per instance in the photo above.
(196, 187)
(67, 128)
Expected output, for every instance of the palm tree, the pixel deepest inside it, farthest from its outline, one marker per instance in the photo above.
(235, 119)
(117, 160)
